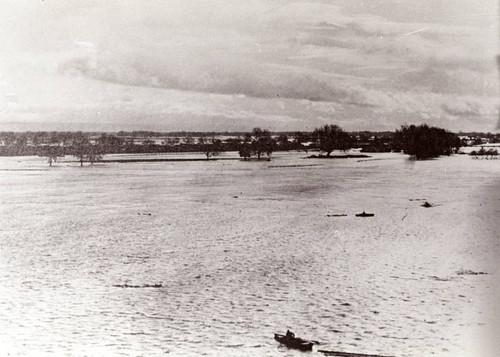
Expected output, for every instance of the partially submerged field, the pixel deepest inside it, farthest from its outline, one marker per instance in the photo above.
(246, 249)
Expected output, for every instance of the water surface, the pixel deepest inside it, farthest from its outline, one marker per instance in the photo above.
(246, 249)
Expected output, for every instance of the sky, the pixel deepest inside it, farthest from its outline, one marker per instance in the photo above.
(282, 65)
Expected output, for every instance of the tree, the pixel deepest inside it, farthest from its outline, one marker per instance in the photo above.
(84, 150)
(21, 143)
(262, 142)
(486, 154)
(50, 152)
(258, 142)
(210, 146)
(283, 142)
(424, 142)
(245, 151)
(301, 137)
(246, 147)
(110, 143)
(331, 137)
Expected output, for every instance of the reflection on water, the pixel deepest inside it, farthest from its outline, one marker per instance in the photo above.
(215, 257)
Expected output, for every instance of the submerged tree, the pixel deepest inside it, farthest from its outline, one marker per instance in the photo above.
(84, 150)
(210, 146)
(262, 143)
(259, 142)
(245, 150)
(51, 153)
(486, 154)
(331, 137)
(424, 142)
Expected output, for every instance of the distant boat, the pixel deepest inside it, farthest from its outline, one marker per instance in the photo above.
(290, 341)
(364, 214)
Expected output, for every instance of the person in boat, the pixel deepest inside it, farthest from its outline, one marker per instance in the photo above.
(290, 334)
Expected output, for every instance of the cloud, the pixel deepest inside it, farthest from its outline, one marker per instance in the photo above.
(464, 107)
(309, 50)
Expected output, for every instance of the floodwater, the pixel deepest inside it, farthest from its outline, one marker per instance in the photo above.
(246, 249)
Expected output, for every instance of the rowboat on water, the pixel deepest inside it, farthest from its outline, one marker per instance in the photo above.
(290, 341)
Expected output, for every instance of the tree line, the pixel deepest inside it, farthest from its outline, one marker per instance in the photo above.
(421, 142)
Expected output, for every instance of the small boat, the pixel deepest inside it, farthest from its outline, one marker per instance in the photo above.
(290, 341)
(364, 214)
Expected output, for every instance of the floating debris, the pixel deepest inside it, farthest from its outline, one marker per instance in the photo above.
(470, 272)
(364, 214)
(437, 278)
(138, 286)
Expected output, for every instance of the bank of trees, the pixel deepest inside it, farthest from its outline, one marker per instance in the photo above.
(419, 141)
(425, 142)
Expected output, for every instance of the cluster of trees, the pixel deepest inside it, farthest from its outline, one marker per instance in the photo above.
(485, 154)
(79, 146)
(424, 142)
(421, 142)
(257, 143)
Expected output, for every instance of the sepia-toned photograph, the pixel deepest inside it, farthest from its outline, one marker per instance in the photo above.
(269, 178)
